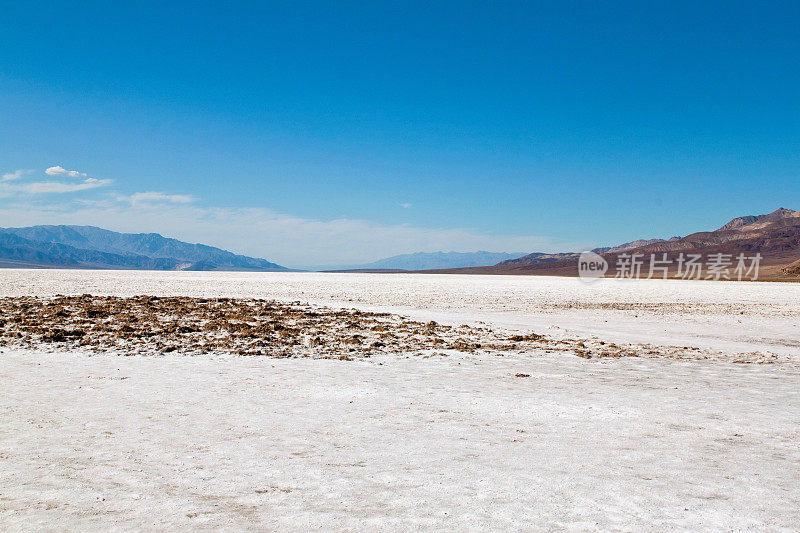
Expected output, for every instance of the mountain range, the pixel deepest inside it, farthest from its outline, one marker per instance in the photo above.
(91, 247)
(776, 236)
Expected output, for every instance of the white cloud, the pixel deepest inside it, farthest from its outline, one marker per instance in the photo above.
(58, 170)
(51, 187)
(152, 196)
(282, 238)
(405, 205)
(8, 187)
(17, 174)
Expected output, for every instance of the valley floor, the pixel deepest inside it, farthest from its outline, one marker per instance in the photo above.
(538, 440)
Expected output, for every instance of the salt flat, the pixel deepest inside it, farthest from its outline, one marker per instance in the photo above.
(729, 316)
(90, 443)
(400, 442)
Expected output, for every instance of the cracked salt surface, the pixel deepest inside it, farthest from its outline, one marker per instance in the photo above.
(178, 442)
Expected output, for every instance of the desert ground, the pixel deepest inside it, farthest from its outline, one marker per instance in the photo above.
(255, 401)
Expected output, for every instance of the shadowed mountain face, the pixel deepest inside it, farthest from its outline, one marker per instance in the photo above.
(91, 247)
(776, 236)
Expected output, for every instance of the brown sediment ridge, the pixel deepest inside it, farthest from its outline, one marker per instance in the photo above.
(149, 325)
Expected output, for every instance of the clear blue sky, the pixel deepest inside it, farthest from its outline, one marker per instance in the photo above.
(514, 124)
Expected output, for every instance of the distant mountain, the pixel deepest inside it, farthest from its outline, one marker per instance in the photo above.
(776, 236)
(435, 260)
(91, 247)
(539, 258)
(632, 245)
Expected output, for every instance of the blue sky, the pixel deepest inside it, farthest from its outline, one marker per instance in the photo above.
(341, 132)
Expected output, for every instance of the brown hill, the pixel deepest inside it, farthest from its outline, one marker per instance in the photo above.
(775, 236)
(751, 220)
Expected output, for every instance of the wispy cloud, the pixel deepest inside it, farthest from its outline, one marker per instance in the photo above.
(17, 174)
(52, 187)
(12, 183)
(405, 205)
(152, 196)
(58, 170)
